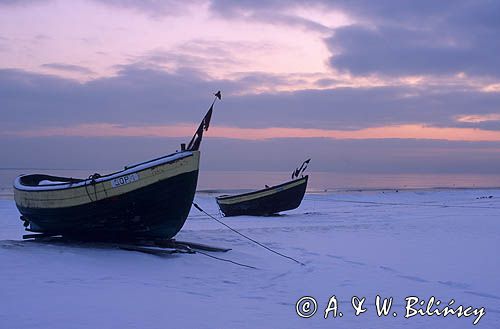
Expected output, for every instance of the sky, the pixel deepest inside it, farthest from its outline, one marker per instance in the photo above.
(359, 86)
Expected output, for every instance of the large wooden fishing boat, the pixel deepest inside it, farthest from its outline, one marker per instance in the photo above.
(268, 201)
(145, 201)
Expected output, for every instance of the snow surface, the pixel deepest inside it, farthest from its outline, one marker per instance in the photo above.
(362, 244)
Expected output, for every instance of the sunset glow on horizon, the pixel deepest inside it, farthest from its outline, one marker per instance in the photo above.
(186, 130)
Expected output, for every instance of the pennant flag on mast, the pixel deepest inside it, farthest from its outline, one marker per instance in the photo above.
(208, 116)
(296, 173)
(194, 144)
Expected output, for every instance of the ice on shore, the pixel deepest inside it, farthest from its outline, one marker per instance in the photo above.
(423, 243)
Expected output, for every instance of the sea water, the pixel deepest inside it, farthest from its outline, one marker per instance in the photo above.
(224, 181)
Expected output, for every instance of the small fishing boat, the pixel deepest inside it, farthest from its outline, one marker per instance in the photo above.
(148, 200)
(268, 201)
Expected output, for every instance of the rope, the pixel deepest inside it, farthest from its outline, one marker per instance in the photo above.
(86, 190)
(408, 204)
(191, 250)
(225, 260)
(246, 237)
(92, 178)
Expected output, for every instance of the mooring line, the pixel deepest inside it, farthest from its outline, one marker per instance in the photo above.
(225, 260)
(408, 204)
(246, 237)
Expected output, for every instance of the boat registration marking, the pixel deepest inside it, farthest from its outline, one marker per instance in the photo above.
(125, 180)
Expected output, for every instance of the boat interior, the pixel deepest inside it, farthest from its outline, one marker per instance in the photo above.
(226, 196)
(43, 180)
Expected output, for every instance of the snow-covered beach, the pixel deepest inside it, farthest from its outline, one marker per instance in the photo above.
(421, 242)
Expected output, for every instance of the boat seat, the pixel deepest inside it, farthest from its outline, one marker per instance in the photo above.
(50, 182)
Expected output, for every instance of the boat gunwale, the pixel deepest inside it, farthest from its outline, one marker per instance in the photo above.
(171, 158)
(229, 197)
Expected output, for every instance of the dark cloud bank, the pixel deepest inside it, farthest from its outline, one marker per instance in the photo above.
(139, 96)
(398, 37)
